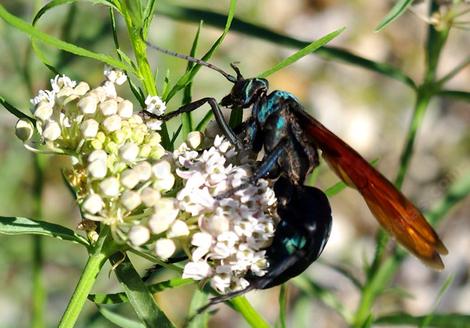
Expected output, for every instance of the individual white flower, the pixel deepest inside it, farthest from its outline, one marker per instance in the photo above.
(216, 224)
(51, 130)
(110, 187)
(222, 279)
(98, 169)
(178, 229)
(93, 204)
(44, 96)
(165, 248)
(125, 109)
(24, 130)
(203, 242)
(89, 128)
(138, 235)
(112, 123)
(130, 199)
(60, 82)
(155, 105)
(197, 270)
(114, 75)
(109, 89)
(154, 124)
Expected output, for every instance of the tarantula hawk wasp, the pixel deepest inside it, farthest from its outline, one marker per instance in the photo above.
(291, 139)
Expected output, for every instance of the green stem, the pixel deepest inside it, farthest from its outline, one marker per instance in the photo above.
(253, 318)
(38, 292)
(380, 275)
(137, 35)
(99, 254)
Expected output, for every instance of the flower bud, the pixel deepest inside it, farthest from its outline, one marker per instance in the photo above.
(129, 178)
(93, 204)
(165, 214)
(97, 169)
(149, 196)
(130, 199)
(51, 131)
(178, 229)
(24, 130)
(125, 109)
(81, 88)
(144, 170)
(112, 123)
(194, 139)
(129, 152)
(165, 183)
(88, 104)
(97, 155)
(89, 128)
(110, 187)
(44, 110)
(165, 248)
(109, 107)
(139, 235)
(161, 169)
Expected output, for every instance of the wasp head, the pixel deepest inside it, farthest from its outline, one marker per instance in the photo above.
(245, 91)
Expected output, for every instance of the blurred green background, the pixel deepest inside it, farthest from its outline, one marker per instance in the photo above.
(370, 111)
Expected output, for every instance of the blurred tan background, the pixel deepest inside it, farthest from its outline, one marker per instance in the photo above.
(369, 111)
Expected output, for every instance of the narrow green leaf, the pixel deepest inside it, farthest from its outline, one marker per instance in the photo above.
(438, 320)
(218, 20)
(311, 288)
(48, 39)
(199, 299)
(335, 189)
(457, 94)
(283, 305)
(25, 226)
(445, 286)
(15, 111)
(117, 298)
(457, 192)
(397, 10)
(312, 47)
(188, 77)
(252, 317)
(138, 294)
(186, 118)
(55, 3)
(201, 126)
(119, 320)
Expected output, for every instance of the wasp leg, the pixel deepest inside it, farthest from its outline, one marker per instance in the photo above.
(219, 117)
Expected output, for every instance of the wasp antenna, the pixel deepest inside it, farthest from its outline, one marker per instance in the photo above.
(234, 66)
(229, 77)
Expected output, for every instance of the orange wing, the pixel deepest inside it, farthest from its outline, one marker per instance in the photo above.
(390, 207)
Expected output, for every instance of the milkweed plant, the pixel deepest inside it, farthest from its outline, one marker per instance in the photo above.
(164, 195)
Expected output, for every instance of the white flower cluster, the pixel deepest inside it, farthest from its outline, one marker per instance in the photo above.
(122, 177)
(119, 172)
(229, 234)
